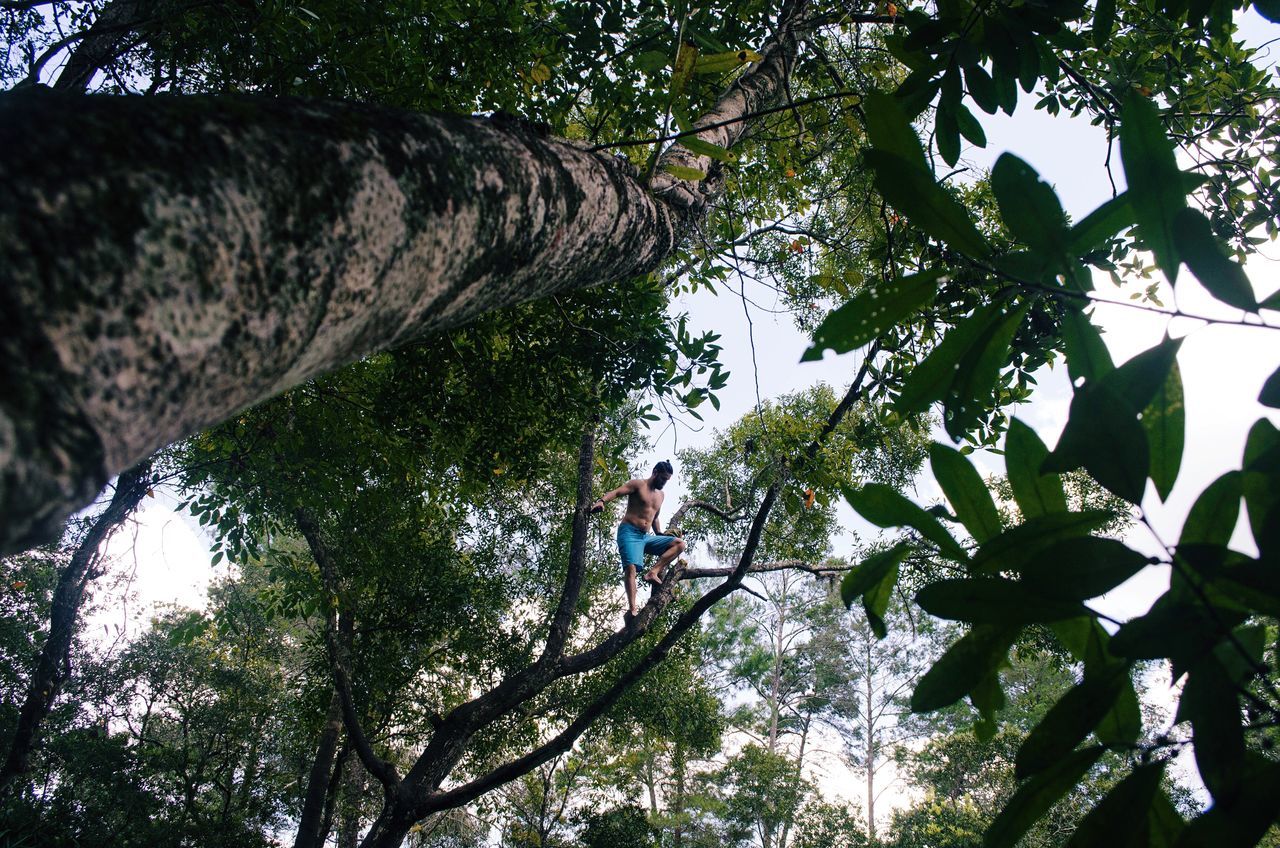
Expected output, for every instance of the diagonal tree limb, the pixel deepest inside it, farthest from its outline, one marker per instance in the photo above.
(558, 632)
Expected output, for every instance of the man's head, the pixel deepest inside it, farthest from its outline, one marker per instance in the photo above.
(662, 472)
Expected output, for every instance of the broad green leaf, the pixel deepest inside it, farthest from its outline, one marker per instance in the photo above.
(1213, 516)
(1269, 9)
(885, 507)
(966, 491)
(931, 379)
(978, 372)
(686, 57)
(1271, 301)
(1017, 546)
(1139, 379)
(705, 148)
(914, 192)
(1029, 207)
(1180, 630)
(969, 126)
(1036, 494)
(1122, 818)
(1155, 184)
(890, 131)
(1241, 821)
(988, 697)
(1270, 394)
(1262, 486)
(946, 134)
(994, 600)
(1104, 19)
(1102, 224)
(1103, 434)
(1084, 567)
(1070, 720)
(682, 173)
(1034, 797)
(876, 601)
(1210, 703)
(1203, 254)
(874, 310)
(1122, 725)
(651, 61)
(871, 571)
(1164, 421)
(963, 667)
(719, 63)
(981, 88)
(1087, 355)
(1165, 824)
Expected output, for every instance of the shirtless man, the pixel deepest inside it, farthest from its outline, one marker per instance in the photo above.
(644, 499)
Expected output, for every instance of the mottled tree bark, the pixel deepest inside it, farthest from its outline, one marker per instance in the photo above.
(53, 665)
(311, 822)
(168, 261)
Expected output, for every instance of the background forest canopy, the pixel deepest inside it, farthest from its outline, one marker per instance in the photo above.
(384, 294)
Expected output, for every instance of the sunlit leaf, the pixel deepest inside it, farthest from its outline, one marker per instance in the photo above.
(1155, 184)
(883, 506)
(962, 667)
(967, 492)
(1036, 494)
(874, 310)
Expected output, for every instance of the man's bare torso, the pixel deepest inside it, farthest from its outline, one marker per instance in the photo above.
(643, 504)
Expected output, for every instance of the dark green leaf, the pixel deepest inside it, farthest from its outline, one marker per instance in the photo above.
(914, 192)
(947, 135)
(993, 600)
(977, 374)
(1037, 795)
(1210, 703)
(1164, 421)
(1242, 821)
(969, 126)
(890, 131)
(871, 572)
(1070, 720)
(1269, 9)
(1017, 546)
(1036, 494)
(1204, 255)
(963, 667)
(1122, 725)
(1087, 356)
(1181, 630)
(966, 491)
(1102, 224)
(1164, 823)
(876, 601)
(981, 88)
(1084, 567)
(1029, 207)
(1262, 486)
(1104, 18)
(1122, 818)
(1213, 517)
(1139, 379)
(1104, 436)
(871, 312)
(1155, 184)
(1270, 394)
(884, 507)
(931, 379)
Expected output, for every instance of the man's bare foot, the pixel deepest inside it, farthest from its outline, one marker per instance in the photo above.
(652, 578)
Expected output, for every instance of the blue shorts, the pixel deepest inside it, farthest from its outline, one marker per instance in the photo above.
(634, 543)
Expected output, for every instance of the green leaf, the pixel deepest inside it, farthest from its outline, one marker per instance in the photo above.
(1104, 19)
(963, 667)
(874, 310)
(931, 379)
(1269, 9)
(1122, 818)
(891, 132)
(871, 572)
(1104, 436)
(1241, 821)
(1262, 485)
(1084, 567)
(1034, 797)
(705, 148)
(1155, 184)
(1123, 724)
(1164, 421)
(978, 372)
(876, 601)
(1102, 224)
(1180, 630)
(680, 172)
(981, 88)
(1164, 823)
(1017, 546)
(1204, 255)
(1087, 356)
(1270, 394)
(1210, 703)
(994, 600)
(969, 126)
(914, 192)
(1213, 516)
(1029, 207)
(947, 134)
(1139, 379)
(1070, 720)
(1036, 494)
(651, 61)
(966, 491)
(884, 507)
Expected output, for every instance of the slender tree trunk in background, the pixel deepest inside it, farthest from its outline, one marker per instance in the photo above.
(54, 664)
(167, 261)
(869, 749)
(311, 822)
(790, 820)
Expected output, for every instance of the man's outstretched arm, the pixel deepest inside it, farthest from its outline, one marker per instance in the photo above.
(625, 489)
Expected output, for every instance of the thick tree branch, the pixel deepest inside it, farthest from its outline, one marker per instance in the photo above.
(558, 632)
(337, 632)
(735, 514)
(780, 565)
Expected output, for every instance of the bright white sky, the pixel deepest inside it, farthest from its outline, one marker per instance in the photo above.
(1223, 370)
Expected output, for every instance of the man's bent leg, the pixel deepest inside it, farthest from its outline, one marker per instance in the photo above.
(654, 575)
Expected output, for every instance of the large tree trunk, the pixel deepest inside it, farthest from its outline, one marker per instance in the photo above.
(53, 666)
(168, 261)
(311, 822)
(113, 32)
